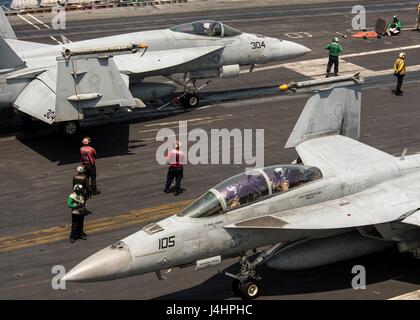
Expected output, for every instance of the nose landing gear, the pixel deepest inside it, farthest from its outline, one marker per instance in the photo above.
(189, 98)
(247, 284)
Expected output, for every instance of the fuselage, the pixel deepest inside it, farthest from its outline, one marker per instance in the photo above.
(180, 240)
(240, 49)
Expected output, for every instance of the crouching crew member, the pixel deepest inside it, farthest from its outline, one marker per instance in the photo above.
(175, 158)
(81, 178)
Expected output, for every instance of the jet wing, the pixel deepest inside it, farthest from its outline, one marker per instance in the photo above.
(336, 152)
(161, 60)
(385, 206)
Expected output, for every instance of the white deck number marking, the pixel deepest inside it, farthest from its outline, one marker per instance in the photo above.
(297, 35)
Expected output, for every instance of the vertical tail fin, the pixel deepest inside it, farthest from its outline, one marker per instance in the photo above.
(9, 60)
(335, 110)
(6, 30)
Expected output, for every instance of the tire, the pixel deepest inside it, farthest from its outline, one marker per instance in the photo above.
(190, 100)
(70, 128)
(250, 290)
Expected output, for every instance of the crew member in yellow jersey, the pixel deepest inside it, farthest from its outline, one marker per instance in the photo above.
(399, 72)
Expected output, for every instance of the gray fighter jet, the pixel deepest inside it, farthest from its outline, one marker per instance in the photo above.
(339, 200)
(31, 74)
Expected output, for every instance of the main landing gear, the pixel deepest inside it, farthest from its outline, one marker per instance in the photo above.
(189, 98)
(247, 284)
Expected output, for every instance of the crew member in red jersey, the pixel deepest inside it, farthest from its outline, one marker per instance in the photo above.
(88, 160)
(175, 158)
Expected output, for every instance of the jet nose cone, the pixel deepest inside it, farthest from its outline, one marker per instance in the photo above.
(109, 263)
(295, 50)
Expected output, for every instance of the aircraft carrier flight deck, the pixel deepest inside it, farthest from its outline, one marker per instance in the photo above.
(37, 163)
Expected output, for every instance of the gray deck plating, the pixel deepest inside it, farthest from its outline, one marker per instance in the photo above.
(36, 167)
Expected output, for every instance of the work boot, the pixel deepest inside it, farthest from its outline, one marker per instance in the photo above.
(166, 191)
(177, 193)
(72, 240)
(95, 192)
(399, 93)
(83, 236)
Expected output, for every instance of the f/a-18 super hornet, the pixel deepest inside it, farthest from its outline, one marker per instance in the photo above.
(339, 200)
(75, 81)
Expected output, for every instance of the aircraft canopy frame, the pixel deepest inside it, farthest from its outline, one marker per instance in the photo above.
(250, 187)
(206, 28)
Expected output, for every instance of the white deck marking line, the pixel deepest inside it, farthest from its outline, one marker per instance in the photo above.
(189, 120)
(309, 62)
(5, 139)
(414, 295)
(416, 46)
(317, 67)
(56, 40)
(26, 20)
(64, 38)
(196, 124)
(36, 19)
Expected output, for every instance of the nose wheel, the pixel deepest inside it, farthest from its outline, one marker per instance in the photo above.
(247, 290)
(190, 100)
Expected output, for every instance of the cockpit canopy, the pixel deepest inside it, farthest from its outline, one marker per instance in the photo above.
(250, 187)
(207, 28)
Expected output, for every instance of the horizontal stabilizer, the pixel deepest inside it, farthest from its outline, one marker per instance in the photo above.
(38, 97)
(332, 153)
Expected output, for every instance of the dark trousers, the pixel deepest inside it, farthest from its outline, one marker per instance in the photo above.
(91, 173)
(177, 174)
(400, 79)
(332, 60)
(77, 221)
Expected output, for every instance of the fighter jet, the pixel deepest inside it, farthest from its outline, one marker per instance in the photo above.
(339, 200)
(31, 74)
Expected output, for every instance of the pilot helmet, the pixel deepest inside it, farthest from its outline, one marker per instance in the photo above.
(86, 141)
(206, 25)
(78, 188)
(279, 171)
(80, 169)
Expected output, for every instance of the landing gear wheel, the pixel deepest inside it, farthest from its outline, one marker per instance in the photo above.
(190, 100)
(250, 289)
(69, 128)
